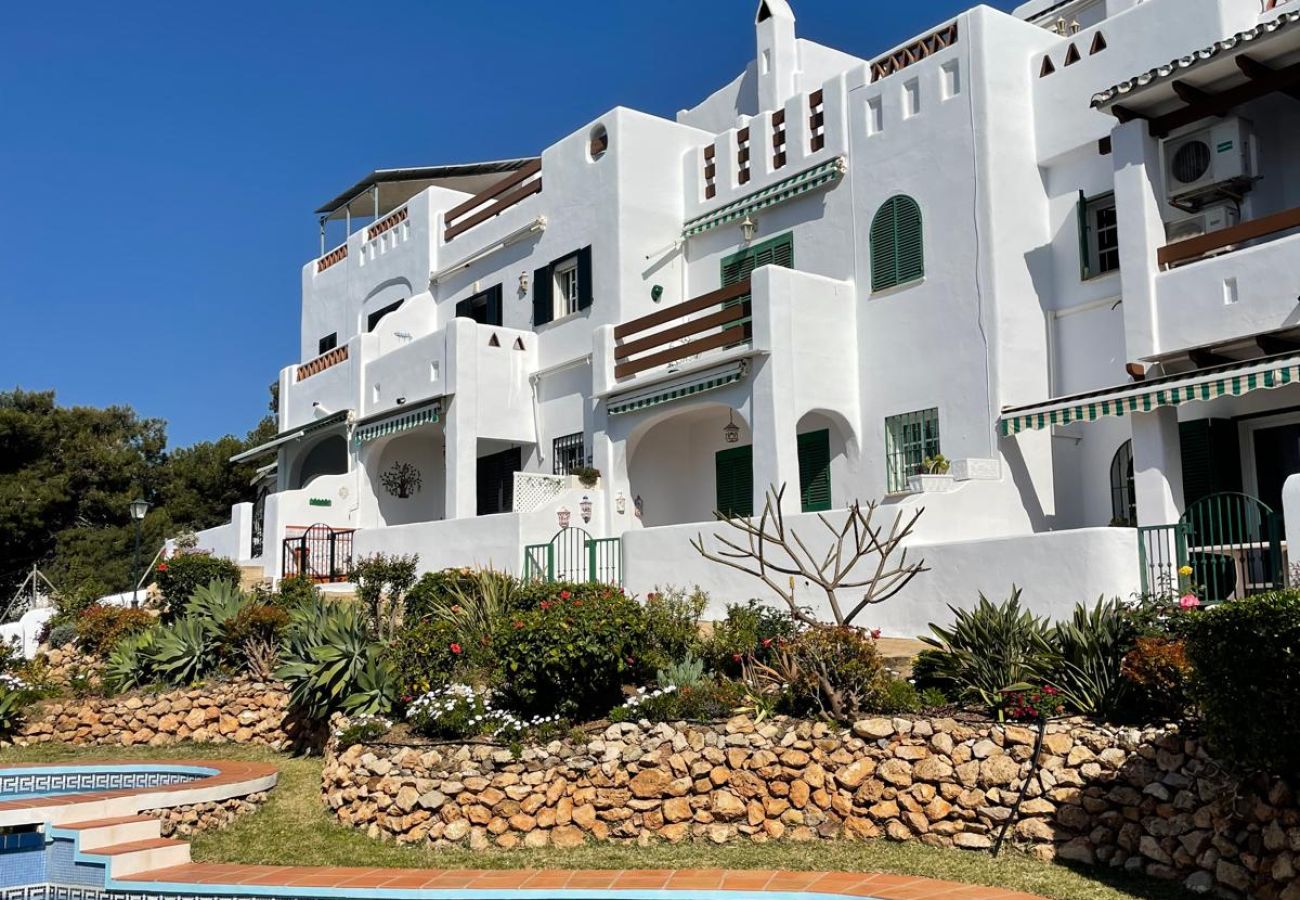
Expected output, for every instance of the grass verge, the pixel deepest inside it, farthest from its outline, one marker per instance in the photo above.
(294, 829)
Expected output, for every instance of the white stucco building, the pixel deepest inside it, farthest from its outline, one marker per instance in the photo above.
(1030, 243)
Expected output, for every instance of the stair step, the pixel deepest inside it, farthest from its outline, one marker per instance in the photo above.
(133, 857)
(95, 833)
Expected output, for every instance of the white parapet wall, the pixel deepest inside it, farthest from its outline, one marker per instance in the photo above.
(233, 540)
(1054, 569)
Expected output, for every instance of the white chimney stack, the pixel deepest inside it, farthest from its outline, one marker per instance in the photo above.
(778, 54)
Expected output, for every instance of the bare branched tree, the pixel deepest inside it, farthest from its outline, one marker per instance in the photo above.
(776, 555)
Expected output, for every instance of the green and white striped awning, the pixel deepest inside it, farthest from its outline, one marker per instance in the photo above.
(285, 437)
(807, 180)
(1173, 390)
(666, 392)
(396, 422)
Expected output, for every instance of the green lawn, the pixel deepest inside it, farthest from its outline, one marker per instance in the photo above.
(294, 829)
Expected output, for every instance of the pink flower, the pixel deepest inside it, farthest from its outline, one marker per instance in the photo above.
(455, 648)
(1188, 601)
(875, 634)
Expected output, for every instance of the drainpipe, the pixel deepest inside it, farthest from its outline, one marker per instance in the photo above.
(1033, 770)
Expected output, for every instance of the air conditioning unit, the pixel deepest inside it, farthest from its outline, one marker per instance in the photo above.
(1211, 159)
(1209, 219)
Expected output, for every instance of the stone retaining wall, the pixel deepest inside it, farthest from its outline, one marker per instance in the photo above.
(1149, 800)
(181, 821)
(238, 712)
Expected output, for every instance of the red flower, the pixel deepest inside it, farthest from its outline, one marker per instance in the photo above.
(875, 634)
(631, 661)
(455, 648)
(767, 642)
(565, 595)
(162, 567)
(735, 657)
(546, 604)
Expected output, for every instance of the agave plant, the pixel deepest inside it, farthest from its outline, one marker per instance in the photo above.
(687, 673)
(331, 664)
(989, 650)
(130, 664)
(1092, 644)
(185, 652)
(217, 602)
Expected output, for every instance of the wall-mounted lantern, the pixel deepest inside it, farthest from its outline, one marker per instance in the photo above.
(730, 431)
(620, 504)
(562, 516)
(585, 508)
(523, 282)
(747, 228)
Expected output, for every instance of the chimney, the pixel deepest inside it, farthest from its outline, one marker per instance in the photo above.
(778, 54)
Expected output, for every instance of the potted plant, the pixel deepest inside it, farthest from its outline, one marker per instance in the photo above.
(932, 475)
(586, 475)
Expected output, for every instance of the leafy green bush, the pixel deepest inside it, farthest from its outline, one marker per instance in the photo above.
(293, 592)
(331, 664)
(62, 634)
(837, 671)
(672, 617)
(255, 622)
(1032, 704)
(382, 584)
(179, 577)
(434, 589)
(15, 697)
(688, 673)
(428, 654)
(988, 649)
(1246, 656)
(475, 606)
(1159, 677)
(1090, 649)
(461, 711)
(899, 696)
(99, 628)
(572, 655)
(706, 701)
(750, 631)
(361, 730)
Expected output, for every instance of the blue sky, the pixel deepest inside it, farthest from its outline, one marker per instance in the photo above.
(161, 159)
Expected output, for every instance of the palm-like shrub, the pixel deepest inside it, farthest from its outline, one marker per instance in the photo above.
(130, 665)
(988, 650)
(475, 605)
(1091, 646)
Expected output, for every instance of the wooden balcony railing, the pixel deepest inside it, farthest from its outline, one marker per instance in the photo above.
(726, 327)
(1195, 248)
(337, 255)
(323, 362)
(523, 182)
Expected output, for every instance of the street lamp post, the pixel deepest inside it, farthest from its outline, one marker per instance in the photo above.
(138, 510)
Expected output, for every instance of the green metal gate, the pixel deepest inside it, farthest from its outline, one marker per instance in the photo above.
(1234, 546)
(574, 555)
(1162, 551)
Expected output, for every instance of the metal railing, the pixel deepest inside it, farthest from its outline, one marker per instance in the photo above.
(321, 553)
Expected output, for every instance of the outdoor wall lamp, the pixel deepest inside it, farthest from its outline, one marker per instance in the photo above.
(730, 431)
(562, 516)
(620, 503)
(523, 282)
(585, 508)
(747, 227)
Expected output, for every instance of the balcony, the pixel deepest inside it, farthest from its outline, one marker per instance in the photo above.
(716, 320)
(1241, 292)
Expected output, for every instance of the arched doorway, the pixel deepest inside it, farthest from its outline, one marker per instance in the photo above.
(328, 456)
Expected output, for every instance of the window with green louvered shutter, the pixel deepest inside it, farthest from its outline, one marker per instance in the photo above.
(897, 244)
(777, 251)
(815, 470)
(735, 481)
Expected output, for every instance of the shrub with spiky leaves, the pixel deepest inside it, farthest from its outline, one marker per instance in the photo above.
(130, 665)
(1091, 646)
(331, 665)
(989, 650)
(185, 652)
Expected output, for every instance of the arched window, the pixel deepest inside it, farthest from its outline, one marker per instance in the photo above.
(1123, 503)
(897, 245)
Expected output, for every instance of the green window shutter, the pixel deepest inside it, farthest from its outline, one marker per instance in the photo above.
(543, 296)
(735, 481)
(1211, 458)
(815, 470)
(1085, 251)
(777, 251)
(897, 240)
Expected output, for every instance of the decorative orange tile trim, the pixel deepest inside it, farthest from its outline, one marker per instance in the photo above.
(323, 362)
(386, 224)
(338, 254)
(688, 881)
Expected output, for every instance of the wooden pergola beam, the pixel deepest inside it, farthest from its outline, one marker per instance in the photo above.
(1255, 70)
(1274, 81)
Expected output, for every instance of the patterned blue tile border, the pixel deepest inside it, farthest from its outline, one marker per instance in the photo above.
(41, 781)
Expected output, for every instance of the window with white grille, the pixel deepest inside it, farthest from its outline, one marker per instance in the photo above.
(566, 288)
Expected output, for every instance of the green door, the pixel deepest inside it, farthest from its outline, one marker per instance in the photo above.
(815, 470)
(735, 481)
(778, 251)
